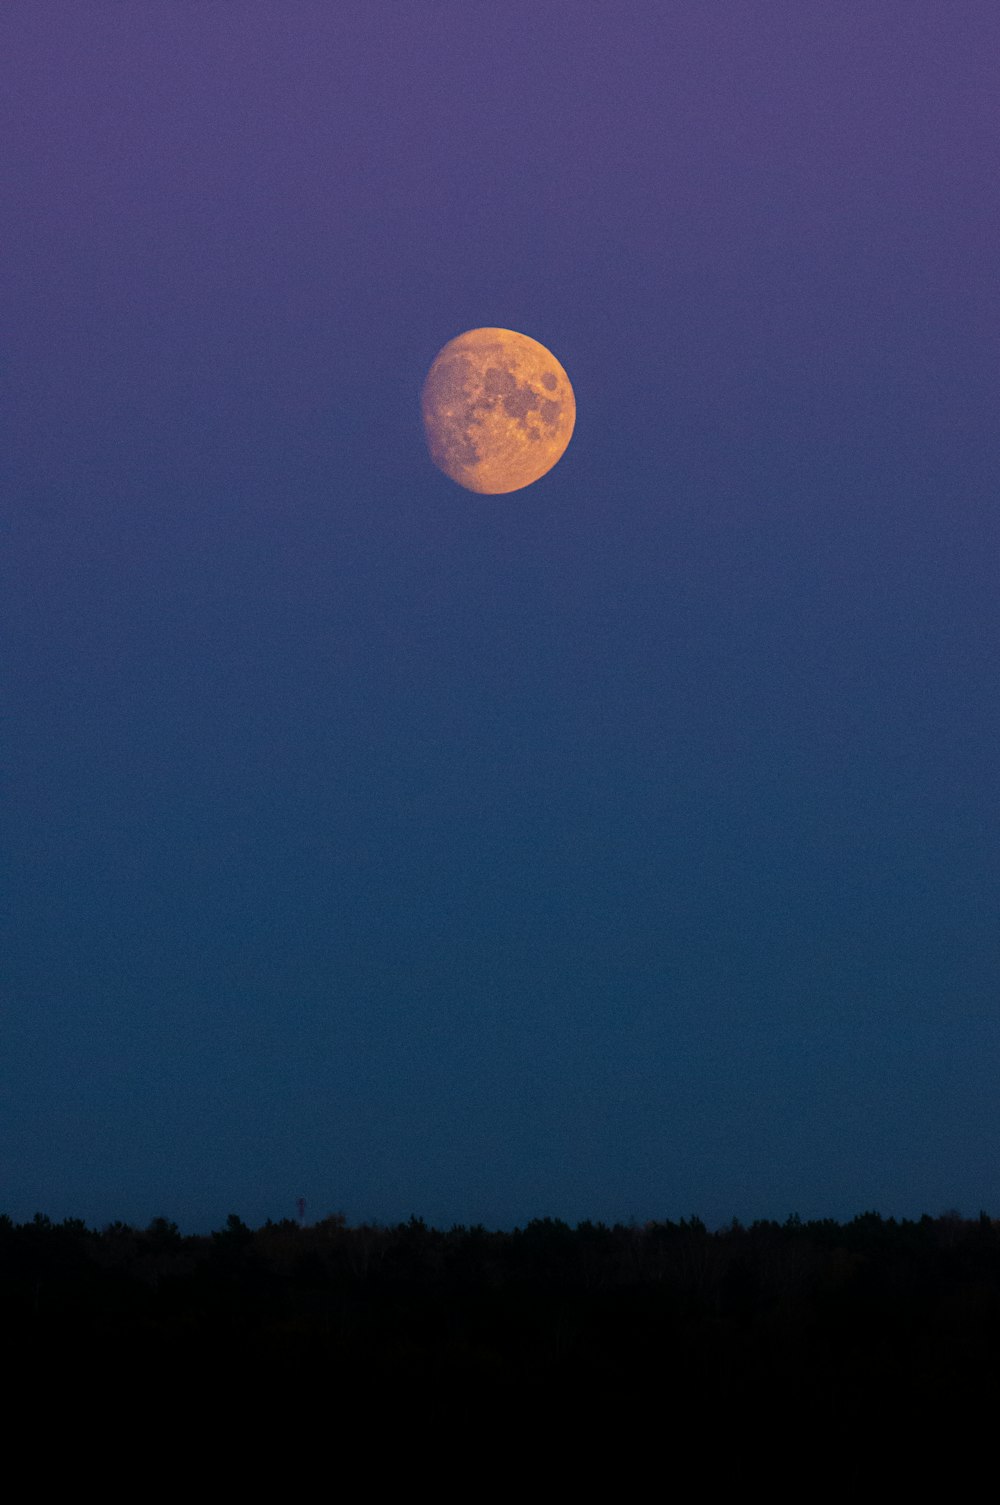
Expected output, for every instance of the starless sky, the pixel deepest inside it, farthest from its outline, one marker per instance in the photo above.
(623, 847)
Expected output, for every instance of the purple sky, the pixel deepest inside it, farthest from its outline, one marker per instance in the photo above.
(625, 846)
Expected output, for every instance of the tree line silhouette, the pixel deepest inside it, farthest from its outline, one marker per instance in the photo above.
(666, 1318)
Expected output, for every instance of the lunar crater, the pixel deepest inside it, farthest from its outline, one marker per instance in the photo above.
(488, 425)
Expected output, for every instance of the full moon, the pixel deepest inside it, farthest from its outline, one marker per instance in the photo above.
(498, 410)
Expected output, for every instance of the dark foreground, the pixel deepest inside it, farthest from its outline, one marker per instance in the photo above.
(667, 1331)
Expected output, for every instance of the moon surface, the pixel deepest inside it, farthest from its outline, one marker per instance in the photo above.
(498, 410)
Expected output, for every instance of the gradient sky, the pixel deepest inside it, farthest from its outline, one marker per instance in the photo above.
(626, 846)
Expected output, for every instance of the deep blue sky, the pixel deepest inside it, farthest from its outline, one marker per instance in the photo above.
(623, 847)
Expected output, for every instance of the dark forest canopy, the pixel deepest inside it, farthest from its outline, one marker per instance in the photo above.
(715, 1342)
(815, 1261)
(479, 1297)
(824, 1325)
(865, 1231)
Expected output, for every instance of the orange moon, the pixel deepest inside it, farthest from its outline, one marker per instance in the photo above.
(498, 410)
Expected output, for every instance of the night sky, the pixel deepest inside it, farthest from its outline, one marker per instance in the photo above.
(622, 847)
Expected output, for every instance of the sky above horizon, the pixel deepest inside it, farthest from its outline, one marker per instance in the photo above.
(622, 847)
